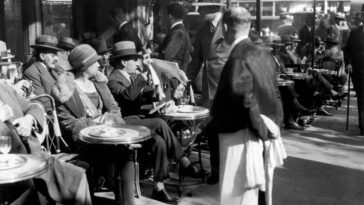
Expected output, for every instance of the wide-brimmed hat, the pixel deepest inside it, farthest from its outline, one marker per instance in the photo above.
(4, 54)
(124, 49)
(99, 45)
(46, 42)
(67, 43)
(82, 57)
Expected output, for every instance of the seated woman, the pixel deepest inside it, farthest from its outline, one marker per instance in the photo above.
(86, 101)
(62, 182)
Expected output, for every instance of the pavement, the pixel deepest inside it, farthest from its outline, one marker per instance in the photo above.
(324, 166)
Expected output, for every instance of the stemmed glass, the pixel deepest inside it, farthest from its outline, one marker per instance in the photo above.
(5, 146)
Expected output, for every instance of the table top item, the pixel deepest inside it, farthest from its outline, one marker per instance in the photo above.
(19, 167)
(283, 82)
(188, 112)
(116, 134)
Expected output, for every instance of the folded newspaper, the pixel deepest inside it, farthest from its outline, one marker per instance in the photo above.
(168, 68)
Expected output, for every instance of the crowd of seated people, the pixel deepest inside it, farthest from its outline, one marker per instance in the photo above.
(92, 83)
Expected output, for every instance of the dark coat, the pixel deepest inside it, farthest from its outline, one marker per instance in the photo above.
(245, 92)
(130, 96)
(61, 181)
(354, 50)
(211, 51)
(176, 47)
(128, 33)
(72, 114)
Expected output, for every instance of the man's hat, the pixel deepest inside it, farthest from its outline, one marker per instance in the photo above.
(340, 16)
(124, 49)
(286, 39)
(82, 57)
(272, 40)
(67, 43)
(46, 42)
(294, 37)
(176, 10)
(99, 45)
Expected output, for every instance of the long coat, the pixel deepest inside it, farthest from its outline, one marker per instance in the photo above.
(245, 92)
(212, 52)
(61, 181)
(354, 55)
(176, 47)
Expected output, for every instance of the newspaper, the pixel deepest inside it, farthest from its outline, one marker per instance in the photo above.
(168, 68)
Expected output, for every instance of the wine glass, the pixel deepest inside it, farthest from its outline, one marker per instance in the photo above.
(5, 146)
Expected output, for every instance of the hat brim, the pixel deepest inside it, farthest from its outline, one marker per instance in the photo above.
(103, 52)
(124, 56)
(274, 44)
(85, 66)
(46, 47)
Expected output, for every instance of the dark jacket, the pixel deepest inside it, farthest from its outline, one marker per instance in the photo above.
(211, 51)
(176, 47)
(128, 33)
(72, 114)
(354, 50)
(130, 96)
(245, 92)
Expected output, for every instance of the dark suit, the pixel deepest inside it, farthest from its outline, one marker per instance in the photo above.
(42, 80)
(128, 33)
(354, 55)
(176, 47)
(243, 94)
(305, 35)
(127, 94)
(62, 180)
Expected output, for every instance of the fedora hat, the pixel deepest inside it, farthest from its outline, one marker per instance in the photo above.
(82, 57)
(340, 15)
(4, 53)
(286, 39)
(272, 40)
(99, 45)
(67, 43)
(124, 49)
(47, 42)
(294, 37)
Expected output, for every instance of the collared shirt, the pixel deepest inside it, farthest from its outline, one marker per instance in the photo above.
(122, 24)
(125, 74)
(216, 20)
(175, 24)
(237, 41)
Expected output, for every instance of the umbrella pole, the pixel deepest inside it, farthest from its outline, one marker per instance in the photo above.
(348, 105)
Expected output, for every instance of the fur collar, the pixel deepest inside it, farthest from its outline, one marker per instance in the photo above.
(64, 87)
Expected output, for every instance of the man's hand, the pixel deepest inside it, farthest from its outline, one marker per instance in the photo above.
(24, 125)
(178, 93)
(349, 68)
(5, 112)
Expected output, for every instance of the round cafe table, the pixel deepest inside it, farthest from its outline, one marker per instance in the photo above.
(193, 117)
(131, 135)
(20, 167)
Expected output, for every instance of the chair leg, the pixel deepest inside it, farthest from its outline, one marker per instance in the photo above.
(136, 175)
(180, 180)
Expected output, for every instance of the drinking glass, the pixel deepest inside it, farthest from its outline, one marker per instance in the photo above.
(5, 146)
(185, 100)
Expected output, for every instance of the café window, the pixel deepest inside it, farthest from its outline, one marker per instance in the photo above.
(267, 9)
(57, 17)
(13, 28)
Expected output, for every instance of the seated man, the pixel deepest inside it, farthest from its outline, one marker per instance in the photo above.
(130, 88)
(63, 182)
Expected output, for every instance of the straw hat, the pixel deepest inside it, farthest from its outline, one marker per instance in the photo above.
(124, 49)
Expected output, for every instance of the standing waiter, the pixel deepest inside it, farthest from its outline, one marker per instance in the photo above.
(354, 61)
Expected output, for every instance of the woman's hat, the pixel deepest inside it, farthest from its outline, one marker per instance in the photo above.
(67, 43)
(46, 42)
(82, 57)
(99, 45)
(124, 49)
